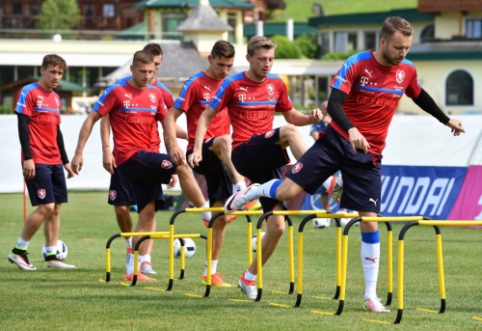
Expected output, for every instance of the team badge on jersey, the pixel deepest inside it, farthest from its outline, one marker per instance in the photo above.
(112, 195)
(270, 89)
(400, 76)
(297, 167)
(152, 97)
(269, 134)
(41, 193)
(166, 164)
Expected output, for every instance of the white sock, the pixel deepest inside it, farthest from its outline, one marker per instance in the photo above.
(144, 258)
(130, 264)
(52, 249)
(21, 243)
(214, 266)
(206, 214)
(267, 190)
(327, 183)
(239, 186)
(249, 276)
(370, 256)
(129, 243)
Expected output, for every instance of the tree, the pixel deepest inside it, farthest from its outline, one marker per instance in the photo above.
(309, 46)
(59, 15)
(285, 48)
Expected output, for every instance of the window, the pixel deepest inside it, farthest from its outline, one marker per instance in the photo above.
(371, 40)
(427, 33)
(170, 22)
(345, 42)
(324, 41)
(109, 10)
(89, 10)
(459, 89)
(232, 23)
(17, 8)
(473, 28)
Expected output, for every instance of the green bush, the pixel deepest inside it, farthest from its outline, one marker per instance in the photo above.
(6, 110)
(338, 56)
(286, 49)
(309, 46)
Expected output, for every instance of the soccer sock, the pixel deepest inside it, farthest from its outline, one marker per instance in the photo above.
(370, 256)
(239, 186)
(147, 258)
(327, 183)
(130, 264)
(249, 276)
(22, 244)
(214, 266)
(51, 250)
(267, 190)
(129, 243)
(206, 214)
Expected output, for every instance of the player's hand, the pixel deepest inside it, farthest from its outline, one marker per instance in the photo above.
(173, 181)
(177, 155)
(314, 116)
(456, 126)
(194, 159)
(108, 161)
(77, 163)
(68, 168)
(28, 169)
(357, 140)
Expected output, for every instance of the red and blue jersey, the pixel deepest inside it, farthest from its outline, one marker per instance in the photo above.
(374, 92)
(251, 105)
(43, 108)
(195, 96)
(133, 113)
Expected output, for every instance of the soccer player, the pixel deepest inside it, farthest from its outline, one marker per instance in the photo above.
(120, 192)
(252, 97)
(216, 166)
(365, 94)
(134, 106)
(44, 158)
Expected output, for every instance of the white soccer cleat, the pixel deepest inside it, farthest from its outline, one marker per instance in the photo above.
(21, 260)
(238, 200)
(146, 268)
(336, 188)
(248, 287)
(374, 305)
(58, 264)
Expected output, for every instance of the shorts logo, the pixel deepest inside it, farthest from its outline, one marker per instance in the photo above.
(41, 193)
(166, 164)
(270, 89)
(112, 194)
(269, 134)
(297, 167)
(152, 97)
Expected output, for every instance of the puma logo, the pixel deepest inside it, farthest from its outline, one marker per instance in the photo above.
(374, 201)
(370, 259)
(128, 95)
(207, 88)
(369, 73)
(243, 89)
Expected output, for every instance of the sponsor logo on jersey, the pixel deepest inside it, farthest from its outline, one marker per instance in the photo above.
(128, 95)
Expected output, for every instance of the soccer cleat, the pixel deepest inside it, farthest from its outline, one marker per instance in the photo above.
(216, 280)
(238, 200)
(230, 219)
(146, 268)
(58, 264)
(336, 188)
(20, 258)
(140, 277)
(375, 306)
(253, 205)
(248, 287)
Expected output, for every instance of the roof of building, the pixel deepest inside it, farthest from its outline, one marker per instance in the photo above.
(204, 18)
(238, 4)
(446, 50)
(271, 29)
(137, 31)
(410, 14)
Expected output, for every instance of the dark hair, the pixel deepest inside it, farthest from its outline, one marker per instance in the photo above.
(393, 24)
(142, 57)
(153, 48)
(260, 42)
(222, 48)
(53, 60)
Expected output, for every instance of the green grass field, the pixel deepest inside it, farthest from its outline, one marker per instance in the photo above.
(77, 300)
(300, 11)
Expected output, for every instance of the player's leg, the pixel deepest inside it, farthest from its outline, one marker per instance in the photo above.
(221, 146)
(290, 136)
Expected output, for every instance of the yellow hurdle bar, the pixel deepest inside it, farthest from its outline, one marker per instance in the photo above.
(392, 219)
(141, 234)
(450, 223)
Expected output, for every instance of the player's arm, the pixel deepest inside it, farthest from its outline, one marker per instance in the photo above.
(296, 118)
(63, 153)
(24, 136)
(202, 127)
(427, 103)
(108, 160)
(171, 132)
(335, 110)
(84, 135)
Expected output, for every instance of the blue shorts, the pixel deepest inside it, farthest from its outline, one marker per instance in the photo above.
(147, 171)
(48, 185)
(220, 186)
(260, 159)
(361, 172)
(120, 190)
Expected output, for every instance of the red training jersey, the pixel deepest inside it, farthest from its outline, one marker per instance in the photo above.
(251, 105)
(43, 108)
(374, 92)
(133, 113)
(195, 96)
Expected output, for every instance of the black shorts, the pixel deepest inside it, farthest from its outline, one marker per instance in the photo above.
(260, 159)
(147, 171)
(120, 190)
(220, 186)
(48, 185)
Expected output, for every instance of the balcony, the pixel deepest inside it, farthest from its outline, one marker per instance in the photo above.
(437, 6)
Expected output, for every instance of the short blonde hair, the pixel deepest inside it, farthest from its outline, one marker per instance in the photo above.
(393, 24)
(260, 42)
